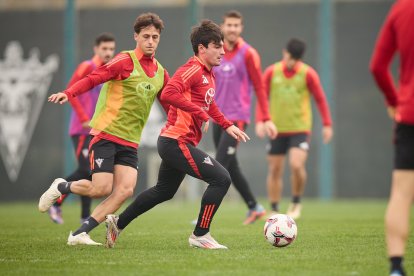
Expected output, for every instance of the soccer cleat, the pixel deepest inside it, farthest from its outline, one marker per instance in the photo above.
(112, 230)
(294, 210)
(50, 196)
(397, 273)
(82, 238)
(55, 214)
(254, 214)
(206, 242)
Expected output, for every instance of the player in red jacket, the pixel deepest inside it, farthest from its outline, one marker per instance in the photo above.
(190, 93)
(396, 35)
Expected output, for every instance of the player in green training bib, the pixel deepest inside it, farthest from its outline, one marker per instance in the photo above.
(136, 93)
(290, 84)
(133, 79)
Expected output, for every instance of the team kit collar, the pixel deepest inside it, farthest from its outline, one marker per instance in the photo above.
(199, 61)
(140, 55)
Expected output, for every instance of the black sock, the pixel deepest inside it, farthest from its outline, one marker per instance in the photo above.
(200, 231)
(64, 187)
(275, 206)
(396, 264)
(87, 226)
(86, 207)
(296, 199)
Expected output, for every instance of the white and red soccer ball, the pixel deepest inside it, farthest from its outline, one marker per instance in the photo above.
(280, 230)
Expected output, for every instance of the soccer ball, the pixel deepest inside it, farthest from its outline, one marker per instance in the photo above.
(280, 230)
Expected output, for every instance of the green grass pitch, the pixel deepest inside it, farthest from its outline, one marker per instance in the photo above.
(334, 238)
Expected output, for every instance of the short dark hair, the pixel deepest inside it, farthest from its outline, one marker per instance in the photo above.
(104, 37)
(296, 48)
(147, 19)
(204, 33)
(233, 14)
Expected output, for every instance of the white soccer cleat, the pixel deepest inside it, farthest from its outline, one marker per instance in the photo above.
(82, 238)
(50, 196)
(396, 273)
(294, 210)
(112, 230)
(206, 242)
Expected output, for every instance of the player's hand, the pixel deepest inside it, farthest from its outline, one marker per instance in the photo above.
(270, 129)
(327, 134)
(86, 124)
(237, 134)
(58, 98)
(205, 126)
(260, 130)
(391, 112)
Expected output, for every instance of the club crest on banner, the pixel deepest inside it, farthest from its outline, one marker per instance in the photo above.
(24, 84)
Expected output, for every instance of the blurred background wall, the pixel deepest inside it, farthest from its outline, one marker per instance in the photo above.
(33, 146)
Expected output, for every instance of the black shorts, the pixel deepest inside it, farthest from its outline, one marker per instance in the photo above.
(404, 147)
(282, 144)
(104, 155)
(180, 158)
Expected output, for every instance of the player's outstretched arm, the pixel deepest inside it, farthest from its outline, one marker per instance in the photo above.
(58, 98)
(237, 134)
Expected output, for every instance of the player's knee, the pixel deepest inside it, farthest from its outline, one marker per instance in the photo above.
(100, 187)
(168, 195)
(164, 194)
(128, 192)
(103, 190)
(296, 167)
(100, 192)
(225, 179)
(124, 193)
(275, 171)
